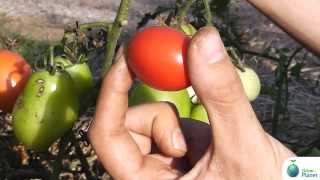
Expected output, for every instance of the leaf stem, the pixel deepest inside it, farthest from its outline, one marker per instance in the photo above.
(52, 66)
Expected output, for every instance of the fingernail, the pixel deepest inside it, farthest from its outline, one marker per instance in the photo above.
(178, 140)
(210, 48)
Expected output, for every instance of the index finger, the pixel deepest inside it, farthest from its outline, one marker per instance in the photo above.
(113, 144)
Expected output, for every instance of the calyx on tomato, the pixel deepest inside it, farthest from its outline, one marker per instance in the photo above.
(188, 29)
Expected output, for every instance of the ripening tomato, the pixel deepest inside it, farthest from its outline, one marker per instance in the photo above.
(158, 55)
(14, 74)
(46, 109)
(143, 93)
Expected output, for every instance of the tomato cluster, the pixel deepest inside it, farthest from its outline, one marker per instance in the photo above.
(187, 108)
(44, 104)
(49, 104)
(157, 56)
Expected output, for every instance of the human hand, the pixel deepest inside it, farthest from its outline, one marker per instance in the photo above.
(234, 146)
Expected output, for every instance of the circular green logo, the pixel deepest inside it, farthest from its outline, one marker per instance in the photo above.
(293, 170)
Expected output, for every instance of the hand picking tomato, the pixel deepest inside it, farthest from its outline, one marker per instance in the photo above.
(198, 112)
(80, 74)
(143, 93)
(14, 74)
(158, 56)
(251, 83)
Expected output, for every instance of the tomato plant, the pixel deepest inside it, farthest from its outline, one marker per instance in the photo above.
(46, 109)
(143, 93)
(198, 112)
(14, 74)
(80, 74)
(158, 56)
(251, 82)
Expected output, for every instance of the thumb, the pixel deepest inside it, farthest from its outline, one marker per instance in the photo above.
(212, 73)
(219, 88)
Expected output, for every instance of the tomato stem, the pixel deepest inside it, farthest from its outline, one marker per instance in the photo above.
(114, 34)
(282, 93)
(51, 65)
(236, 60)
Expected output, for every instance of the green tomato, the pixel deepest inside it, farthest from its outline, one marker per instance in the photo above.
(198, 112)
(46, 109)
(80, 74)
(251, 83)
(143, 93)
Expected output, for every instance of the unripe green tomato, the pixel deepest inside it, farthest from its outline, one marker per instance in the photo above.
(46, 109)
(251, 83)
(80, 74)
(143, 93)
(198, 112)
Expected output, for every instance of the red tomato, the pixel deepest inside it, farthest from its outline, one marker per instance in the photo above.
(158, 55)
(14, 73)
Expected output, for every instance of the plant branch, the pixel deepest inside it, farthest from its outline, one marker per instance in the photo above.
(114, 34)
(207, 14)
(183, 11)
(293, 55)
(63, 147)
(278, 104)
(259, 54)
